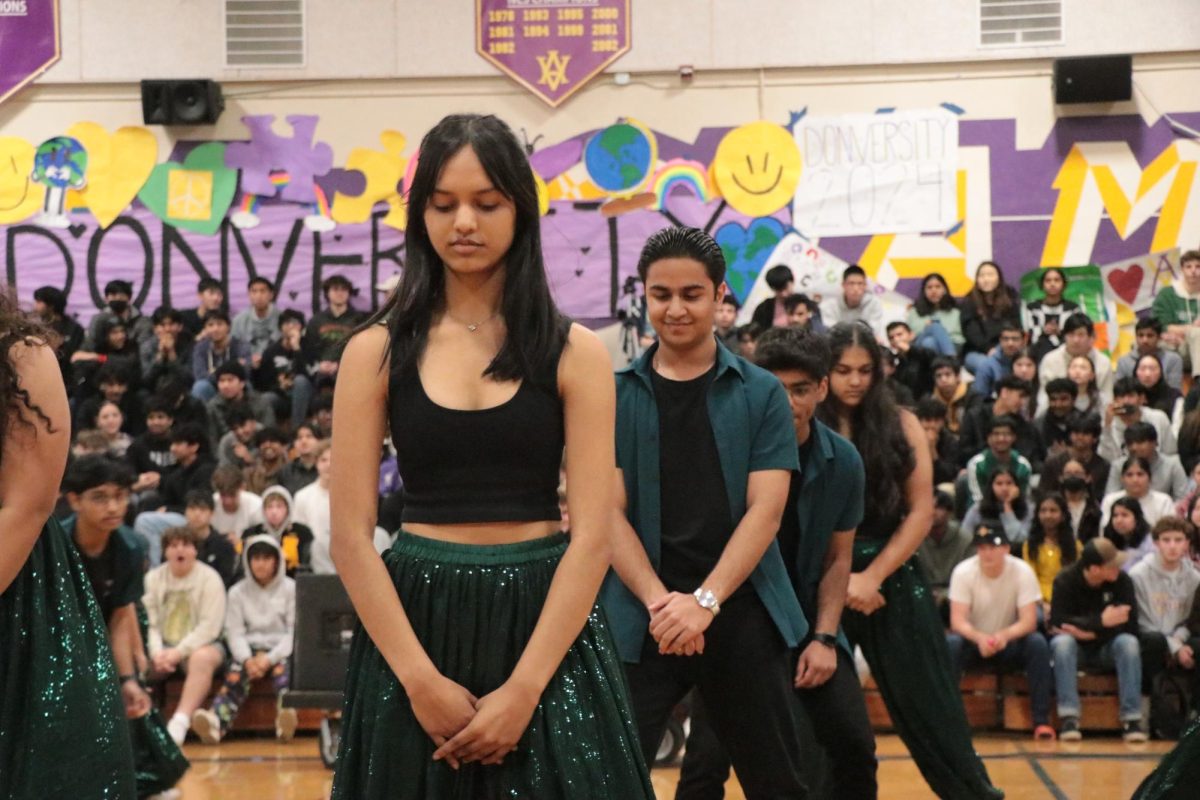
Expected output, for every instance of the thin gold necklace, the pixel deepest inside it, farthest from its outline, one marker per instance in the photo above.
(472, 327)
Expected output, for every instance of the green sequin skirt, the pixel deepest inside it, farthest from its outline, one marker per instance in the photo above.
(473, 608)
(62, 723)
(1178, 776)
(905, 645)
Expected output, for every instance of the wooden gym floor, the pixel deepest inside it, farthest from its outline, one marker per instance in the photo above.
(1099, 768)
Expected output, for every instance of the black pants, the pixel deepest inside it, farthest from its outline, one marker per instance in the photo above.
(1156, 657)
(838, 724)
(744, 679)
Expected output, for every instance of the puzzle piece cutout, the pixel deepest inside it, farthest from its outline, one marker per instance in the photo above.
(383, 171)
(267, 152)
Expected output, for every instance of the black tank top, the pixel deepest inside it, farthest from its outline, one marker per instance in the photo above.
(498, 464)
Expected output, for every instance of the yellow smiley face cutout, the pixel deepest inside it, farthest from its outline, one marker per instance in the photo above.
(757, 167)
(20, 198)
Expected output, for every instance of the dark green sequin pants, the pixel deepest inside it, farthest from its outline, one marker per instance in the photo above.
(905, 645)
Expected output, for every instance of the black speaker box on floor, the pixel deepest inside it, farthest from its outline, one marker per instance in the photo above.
(1093, 79)
(181, 102)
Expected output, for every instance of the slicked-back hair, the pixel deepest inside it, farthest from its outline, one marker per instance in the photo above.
(88, 472)
(535, 330)
(683, 242)
(793, 348)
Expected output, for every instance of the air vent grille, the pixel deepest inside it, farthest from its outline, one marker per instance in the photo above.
(264, 33)
(1010, 23)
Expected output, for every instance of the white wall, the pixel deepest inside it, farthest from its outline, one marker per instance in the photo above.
(126, 40)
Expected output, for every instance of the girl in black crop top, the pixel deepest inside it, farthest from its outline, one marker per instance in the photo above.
(483, 667)
(889, 610)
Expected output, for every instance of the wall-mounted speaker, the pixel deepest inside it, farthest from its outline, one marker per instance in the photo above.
(181, 102)
(1093, 79)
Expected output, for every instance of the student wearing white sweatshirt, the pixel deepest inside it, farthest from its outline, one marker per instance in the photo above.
(185, 604)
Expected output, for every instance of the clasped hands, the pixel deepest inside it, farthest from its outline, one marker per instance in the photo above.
(678, 623)
(467, 728)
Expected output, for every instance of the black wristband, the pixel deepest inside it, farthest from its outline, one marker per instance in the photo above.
(827, 639)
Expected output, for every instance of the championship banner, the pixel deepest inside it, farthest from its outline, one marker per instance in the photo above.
(551, 47)
(29, 42)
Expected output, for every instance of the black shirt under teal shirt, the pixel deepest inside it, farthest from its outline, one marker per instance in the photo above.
(696, 522)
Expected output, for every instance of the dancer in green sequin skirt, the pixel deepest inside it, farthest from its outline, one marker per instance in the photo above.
(483, 668)
(62, 723)
(890, 613)
(1178, 776)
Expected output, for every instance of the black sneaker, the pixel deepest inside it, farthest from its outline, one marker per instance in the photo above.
(1068, 730)
(1133, 731)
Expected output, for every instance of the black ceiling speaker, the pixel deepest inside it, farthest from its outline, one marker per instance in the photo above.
(1093, 79)
(182, 102)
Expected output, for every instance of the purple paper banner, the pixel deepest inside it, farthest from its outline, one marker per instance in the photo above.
(552, 47)
(164, 263)
(28, 41)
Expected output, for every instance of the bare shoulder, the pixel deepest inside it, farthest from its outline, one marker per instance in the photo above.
(366, 348)
(910, 423)
(585, 350)
(585, 358)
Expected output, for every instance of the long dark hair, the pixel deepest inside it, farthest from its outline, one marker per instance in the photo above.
(535, 328)
(996, 303)
(1160, 395)
(875, 426)
(990, 505)
(1141, 528)
(1063, 537)
(922, 305)
(16, 326)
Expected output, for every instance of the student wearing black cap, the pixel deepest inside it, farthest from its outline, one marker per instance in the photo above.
(993, 617)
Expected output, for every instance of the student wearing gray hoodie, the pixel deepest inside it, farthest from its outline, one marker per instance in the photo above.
(260, 622)
(1165, 583)
(294, 539)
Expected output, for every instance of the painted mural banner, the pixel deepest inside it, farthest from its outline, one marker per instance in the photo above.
(29, 42)
(552, 47)
(866, 174)
(1112, 191)
(1137, 281)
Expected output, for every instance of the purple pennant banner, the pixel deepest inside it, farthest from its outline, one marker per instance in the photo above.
(28, 41)
(552, 47)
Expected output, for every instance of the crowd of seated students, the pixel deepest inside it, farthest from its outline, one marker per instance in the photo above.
(198, 481)
(1065, 535)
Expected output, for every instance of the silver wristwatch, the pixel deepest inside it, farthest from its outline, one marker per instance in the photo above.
(707, 600)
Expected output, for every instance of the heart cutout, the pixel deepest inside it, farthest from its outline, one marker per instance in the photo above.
(586, 250)
(266, 243)
(119, 165)
(1126, 282)
(77, 230)
(337, 237)
(578, 273)
(746, 250)
(293, 295)
(195, 194)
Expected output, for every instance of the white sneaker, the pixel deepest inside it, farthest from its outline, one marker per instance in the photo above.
(206, 725)
(178, 728)
(285, 724)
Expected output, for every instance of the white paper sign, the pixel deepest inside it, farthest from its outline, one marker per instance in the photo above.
(1137, 281)
(865, 174)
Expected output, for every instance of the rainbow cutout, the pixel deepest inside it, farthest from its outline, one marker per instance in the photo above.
(251, 202)
(680, 172)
